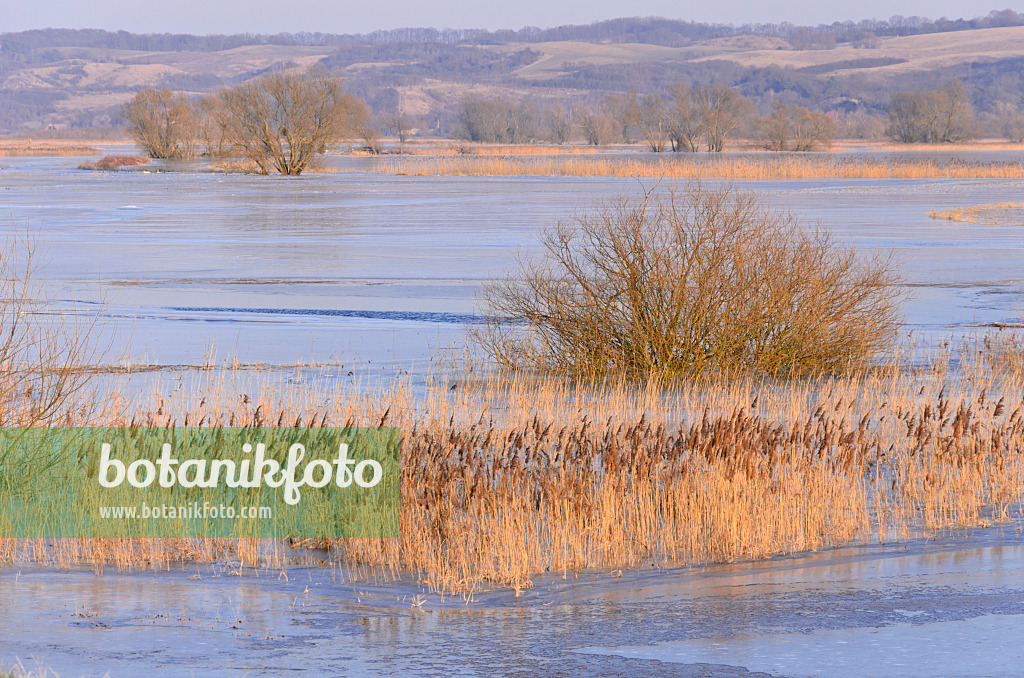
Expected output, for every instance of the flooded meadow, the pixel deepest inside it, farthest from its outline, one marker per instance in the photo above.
(357, 277)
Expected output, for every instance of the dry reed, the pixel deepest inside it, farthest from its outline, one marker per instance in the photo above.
(113, 162)
(507, 476)
(44, 148)
(782, 166)
(995, 214)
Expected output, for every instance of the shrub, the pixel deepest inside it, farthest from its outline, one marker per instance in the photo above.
(46, 348)
(686, 282)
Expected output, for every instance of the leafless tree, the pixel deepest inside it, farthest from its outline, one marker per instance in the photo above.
(497, 120)
(616, 108)
(399, 123)
(794, 128)
(722, 109)
(282, 121)
(163, 123)
(559, 123)
(47, 348)
(951, 113)
(649, 115)
(597, 127)
(942, 115)
(212, 125)
(685, 125)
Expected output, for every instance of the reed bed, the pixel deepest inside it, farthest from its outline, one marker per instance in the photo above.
(781, 166)
(994, 214)
(471, 148)
(505, 477)
(9, 149)
(114, 162)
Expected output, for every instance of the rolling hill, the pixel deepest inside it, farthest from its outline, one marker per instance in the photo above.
(63, 78)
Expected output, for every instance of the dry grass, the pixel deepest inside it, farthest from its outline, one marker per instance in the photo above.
(505, 477)
(975, 145)
(237, 167)
(19, 670)
(475, 148)
(19, 148)
(1003, 352)
(995, 214)
(766, 166)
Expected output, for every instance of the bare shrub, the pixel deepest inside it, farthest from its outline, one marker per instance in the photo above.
(45, 347)
(687, 282)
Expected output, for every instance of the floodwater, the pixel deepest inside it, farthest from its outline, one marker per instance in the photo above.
(380, 272)
(952, 605)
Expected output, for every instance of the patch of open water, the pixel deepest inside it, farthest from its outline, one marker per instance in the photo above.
(952, 605)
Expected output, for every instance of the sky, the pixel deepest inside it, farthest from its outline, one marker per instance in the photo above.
(345, 16)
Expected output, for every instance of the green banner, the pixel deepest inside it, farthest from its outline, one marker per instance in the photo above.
(199, 482)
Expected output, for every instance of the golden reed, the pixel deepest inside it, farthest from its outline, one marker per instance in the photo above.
(687, 166)
(507, 477)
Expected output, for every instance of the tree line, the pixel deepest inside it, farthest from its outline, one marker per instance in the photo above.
(682, 119)
(685, 118)
(283, 121)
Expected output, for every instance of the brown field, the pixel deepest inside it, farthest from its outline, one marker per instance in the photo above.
(917, 52)
(506, 477)
(766, 166)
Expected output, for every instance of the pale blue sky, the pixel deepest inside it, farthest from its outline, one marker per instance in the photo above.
(344, 16)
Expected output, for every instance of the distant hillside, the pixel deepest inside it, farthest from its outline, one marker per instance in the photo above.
(78, 78)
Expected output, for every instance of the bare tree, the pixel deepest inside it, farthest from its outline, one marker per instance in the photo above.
(722, 109)
(794, 128)
(907, 117)
(212, 125)
(163, 123)
(399, 123)
(649, 115)
(282, 121)
(1015, 127)
(558, 121)
(951, 113)
(597, 127)
(942, 115)
(616, 108)
(685, 125)
(497, 120)
(46, 347)
(812, 130)
(362, 125)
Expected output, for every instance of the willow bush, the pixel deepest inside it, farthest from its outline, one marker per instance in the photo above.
(690, 281)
